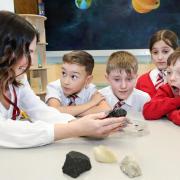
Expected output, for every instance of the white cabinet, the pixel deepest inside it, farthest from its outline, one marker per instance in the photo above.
(37, 74)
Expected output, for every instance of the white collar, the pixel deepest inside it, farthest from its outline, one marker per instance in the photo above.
(128, 101)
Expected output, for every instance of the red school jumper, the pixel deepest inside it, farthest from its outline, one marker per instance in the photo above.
(144, 83)
(163, 104)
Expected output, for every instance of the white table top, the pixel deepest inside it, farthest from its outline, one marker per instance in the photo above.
(157, 153)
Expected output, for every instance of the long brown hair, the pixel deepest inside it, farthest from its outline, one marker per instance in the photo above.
(16, 35)
(168, 36)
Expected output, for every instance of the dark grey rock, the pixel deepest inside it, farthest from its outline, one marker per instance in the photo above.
(117, 113)
(76, 163)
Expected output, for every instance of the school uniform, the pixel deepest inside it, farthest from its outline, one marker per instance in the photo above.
(54, 90)
(163, 104)
(134, 102)
(22, 133)
(147, 82)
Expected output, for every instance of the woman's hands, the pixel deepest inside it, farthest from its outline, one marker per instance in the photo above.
(93, 125)
(97, 125)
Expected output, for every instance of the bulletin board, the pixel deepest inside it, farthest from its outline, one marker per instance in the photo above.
(106, 24)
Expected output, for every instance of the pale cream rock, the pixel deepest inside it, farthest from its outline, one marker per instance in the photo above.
(130, 167)
(104, 154)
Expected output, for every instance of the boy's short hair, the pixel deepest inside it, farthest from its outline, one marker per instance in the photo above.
(172, 59)
(122, 60)
(81, 58)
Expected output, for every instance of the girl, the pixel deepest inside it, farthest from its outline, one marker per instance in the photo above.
(46, 125)
(162, 44)
(166, 102)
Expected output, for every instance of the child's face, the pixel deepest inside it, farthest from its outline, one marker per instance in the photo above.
(160, 53)
(173, 77)
(22, 63)
(121, 83)
(74, 78)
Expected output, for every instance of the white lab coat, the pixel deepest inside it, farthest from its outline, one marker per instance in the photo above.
(24, 134)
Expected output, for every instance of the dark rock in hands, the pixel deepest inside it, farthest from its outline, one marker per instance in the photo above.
(119, 112)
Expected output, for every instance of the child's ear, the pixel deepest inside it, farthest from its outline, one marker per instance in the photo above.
(107, 77)
(89, 80)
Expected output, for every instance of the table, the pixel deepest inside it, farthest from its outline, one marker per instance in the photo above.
(158, 154)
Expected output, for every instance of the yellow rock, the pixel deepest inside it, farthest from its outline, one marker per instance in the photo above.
(104, 154)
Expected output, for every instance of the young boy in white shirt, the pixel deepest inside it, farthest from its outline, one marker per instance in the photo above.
(74, 93)
(121, 74)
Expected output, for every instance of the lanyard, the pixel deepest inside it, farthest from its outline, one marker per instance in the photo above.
(16, 110)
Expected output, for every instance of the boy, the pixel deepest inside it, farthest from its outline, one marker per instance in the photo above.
(166, 102)
(121, 74)
(74, 93)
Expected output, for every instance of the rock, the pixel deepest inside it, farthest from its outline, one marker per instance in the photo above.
(104, 154)
(117, 113)
(75, 164)
(130, 167)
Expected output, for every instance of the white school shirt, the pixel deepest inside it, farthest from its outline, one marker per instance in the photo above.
(54, 90)
(24, 134)
(154, 76)
(134, 102)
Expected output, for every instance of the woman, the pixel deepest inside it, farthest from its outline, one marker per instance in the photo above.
(46, 125)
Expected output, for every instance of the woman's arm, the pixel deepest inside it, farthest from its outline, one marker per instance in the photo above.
(24, 134)
(93, 125)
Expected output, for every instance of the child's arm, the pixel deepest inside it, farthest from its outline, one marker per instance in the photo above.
(157, 108)
(160, 105)
(174, 116)
(77, 109)
(102, 106)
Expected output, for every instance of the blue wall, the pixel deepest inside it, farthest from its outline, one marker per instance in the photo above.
(107, 24)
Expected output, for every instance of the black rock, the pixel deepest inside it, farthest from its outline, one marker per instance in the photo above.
(75, 164)
(119, 112)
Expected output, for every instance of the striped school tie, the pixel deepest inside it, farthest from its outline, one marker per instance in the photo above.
(160, 79)
(72, 99)
(118, 104)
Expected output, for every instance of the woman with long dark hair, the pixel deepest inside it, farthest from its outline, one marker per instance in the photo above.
(45, 125)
